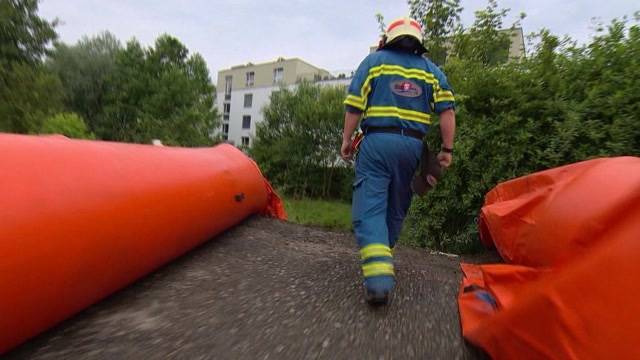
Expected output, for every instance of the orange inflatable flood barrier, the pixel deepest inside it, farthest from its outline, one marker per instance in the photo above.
(82, 219)
(572, 238)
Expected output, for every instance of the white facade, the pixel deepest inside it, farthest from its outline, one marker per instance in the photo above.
(244, 90)
(239, 114)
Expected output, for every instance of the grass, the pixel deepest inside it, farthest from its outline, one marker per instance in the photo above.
(330, 214)
(325, 213)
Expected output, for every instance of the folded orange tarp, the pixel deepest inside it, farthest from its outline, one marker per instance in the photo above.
(573, 237)
(81, 219)
(547, 217)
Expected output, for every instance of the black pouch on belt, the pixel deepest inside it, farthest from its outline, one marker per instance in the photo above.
(428, 173)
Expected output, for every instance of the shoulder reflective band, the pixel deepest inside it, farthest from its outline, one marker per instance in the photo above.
(407, 73)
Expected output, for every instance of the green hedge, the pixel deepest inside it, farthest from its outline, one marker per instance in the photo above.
(563, 104)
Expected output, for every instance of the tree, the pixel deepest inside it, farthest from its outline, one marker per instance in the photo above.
(24, 36)
(297, 144)
(83, 69)
(67, 124)
(484, 41)
(440, 19)
(28, 93)
(159, 93)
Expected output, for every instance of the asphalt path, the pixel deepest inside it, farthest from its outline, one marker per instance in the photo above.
(267, 289)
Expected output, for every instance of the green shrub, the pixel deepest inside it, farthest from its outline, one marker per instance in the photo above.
(67, 124)
(562, 105)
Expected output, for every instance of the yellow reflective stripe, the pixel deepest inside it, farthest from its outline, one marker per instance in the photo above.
(448, 98)
(354, 101)
(392, 111)
(377, 268)
(399, 116)
(444, 95)
(394, 70)
(375, 250)
(402, 71)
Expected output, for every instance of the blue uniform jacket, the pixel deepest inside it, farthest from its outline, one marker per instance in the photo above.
(398, 89)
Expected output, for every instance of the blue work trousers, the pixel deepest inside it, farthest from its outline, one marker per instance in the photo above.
(382, 194)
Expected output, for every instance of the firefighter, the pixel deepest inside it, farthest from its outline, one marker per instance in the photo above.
(394, 91)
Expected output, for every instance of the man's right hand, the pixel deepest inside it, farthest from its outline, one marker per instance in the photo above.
(346, 151)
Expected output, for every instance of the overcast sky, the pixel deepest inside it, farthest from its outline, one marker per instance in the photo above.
(332, 34)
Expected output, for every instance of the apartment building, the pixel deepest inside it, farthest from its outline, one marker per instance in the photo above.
(244, 90)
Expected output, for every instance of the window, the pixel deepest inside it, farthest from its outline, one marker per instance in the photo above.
(226, 109)
(245, 141)
(227, 86)
(246, 122)
(250, 78)
(278, 75)
(225, 129)
(225, 137)
(248, 100)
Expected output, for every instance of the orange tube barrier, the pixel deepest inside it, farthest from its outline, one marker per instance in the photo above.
(571, 235)
(82, 219)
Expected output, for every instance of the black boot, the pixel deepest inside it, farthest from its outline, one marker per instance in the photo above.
(377, 298)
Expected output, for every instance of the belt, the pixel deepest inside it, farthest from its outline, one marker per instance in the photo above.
(394, 130)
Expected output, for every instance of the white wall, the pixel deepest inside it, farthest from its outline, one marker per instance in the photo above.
(260, 100)
(238, 111)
